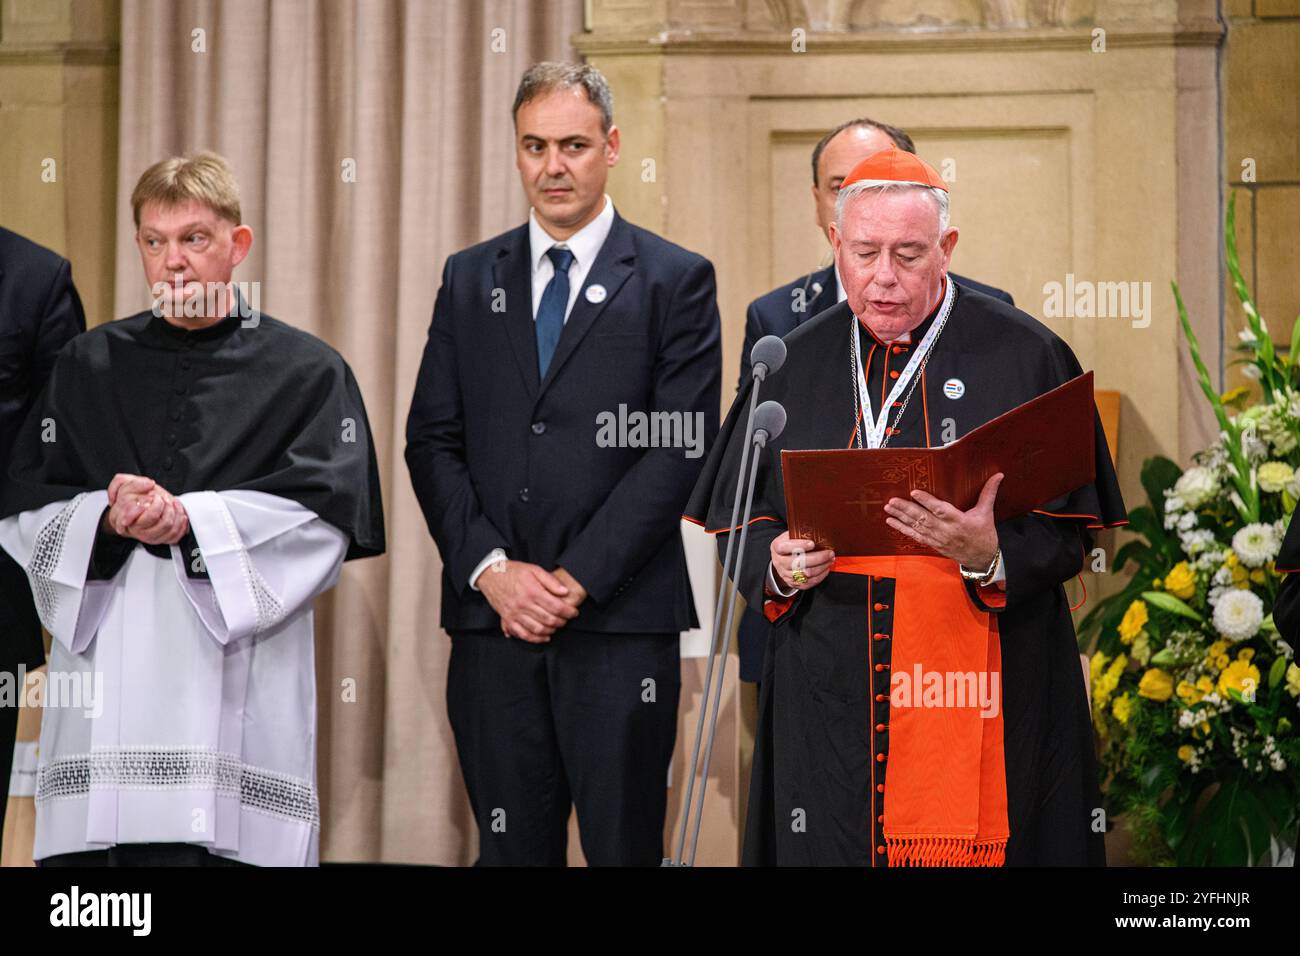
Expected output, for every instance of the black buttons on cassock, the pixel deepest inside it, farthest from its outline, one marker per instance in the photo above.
(539, 428)
(523, 494)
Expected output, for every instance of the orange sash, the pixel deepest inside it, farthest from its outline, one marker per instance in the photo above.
(945, 799)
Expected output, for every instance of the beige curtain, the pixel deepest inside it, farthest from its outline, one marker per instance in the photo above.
(415, 97)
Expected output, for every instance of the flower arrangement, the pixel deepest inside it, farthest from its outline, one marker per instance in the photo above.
(1195, 694)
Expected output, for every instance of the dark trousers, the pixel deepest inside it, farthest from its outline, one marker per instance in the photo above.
(587, 719)
(142, 854)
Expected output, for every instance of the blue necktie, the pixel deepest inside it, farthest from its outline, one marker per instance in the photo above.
(550, 312)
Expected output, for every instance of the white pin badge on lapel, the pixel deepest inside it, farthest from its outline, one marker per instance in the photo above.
(954, 388)
(595, 293)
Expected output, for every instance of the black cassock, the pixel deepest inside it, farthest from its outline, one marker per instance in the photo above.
(1286, 609)
(248, 404)
(813, 753)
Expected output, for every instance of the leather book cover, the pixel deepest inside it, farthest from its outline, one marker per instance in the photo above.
(1044, 448)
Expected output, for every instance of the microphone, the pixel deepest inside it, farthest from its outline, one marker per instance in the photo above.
(766, 423)
(769, 422)
(767, 356)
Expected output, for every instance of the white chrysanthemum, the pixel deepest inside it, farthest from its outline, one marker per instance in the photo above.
(1195, 486)
(1195, 542)
(1256, 544)
(1238, 615)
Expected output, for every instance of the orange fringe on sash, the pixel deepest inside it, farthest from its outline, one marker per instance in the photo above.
(945, 851)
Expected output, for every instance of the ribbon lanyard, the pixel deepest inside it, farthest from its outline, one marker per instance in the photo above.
(873, 429)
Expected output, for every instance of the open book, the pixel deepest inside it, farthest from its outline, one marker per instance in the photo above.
(1044, 448)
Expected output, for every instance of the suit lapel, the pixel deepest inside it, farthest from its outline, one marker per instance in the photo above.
(613, 265)
(512, 271)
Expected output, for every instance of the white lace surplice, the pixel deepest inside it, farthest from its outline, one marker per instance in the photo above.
(207, 726)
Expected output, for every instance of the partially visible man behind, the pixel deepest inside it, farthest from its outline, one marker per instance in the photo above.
(565, 669)
(785, 308)
(40, 312)
(191, 479)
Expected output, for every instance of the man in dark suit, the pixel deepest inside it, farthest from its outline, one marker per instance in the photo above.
(569, 387)
(39, 312)
(783, 309)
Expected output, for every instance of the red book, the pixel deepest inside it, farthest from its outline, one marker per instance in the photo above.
(1044, 449)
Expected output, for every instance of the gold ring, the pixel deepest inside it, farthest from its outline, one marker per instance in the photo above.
(799, 577)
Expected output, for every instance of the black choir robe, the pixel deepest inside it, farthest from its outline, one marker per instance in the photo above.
(246, 404)
(813, 747)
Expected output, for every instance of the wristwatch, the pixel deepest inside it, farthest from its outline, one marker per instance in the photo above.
(982, 578)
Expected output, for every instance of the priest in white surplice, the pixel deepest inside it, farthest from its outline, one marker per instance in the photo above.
(190, 480)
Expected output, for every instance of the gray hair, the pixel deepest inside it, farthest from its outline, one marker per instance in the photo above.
(543, 78)
(940, 197)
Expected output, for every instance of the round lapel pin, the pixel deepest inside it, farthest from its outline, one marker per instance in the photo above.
(595, 293)
(954, 388)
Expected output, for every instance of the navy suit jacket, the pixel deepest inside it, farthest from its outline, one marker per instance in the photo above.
(40, 312)
(500, 459)
(780, 312)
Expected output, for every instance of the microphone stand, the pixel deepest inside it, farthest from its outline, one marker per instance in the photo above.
(721, 639)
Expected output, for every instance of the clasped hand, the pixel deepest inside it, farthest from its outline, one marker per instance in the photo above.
(142, 509)
(533, 603)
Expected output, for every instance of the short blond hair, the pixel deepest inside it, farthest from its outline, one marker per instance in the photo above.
(204, 177)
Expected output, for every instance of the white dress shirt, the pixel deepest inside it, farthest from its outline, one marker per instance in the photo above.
(585, 244)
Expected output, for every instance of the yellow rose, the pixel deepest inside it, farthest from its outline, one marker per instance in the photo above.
(1180, 581)
(1156, 685)
(1245, 654)
(1221, 662)
(1122, 708)
(1204, 685)
(1185, 752)
(1135, 618)
(1188, 693)
(1241, 676)
(1257, 576)
(1217, 648)
(1231, 560)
